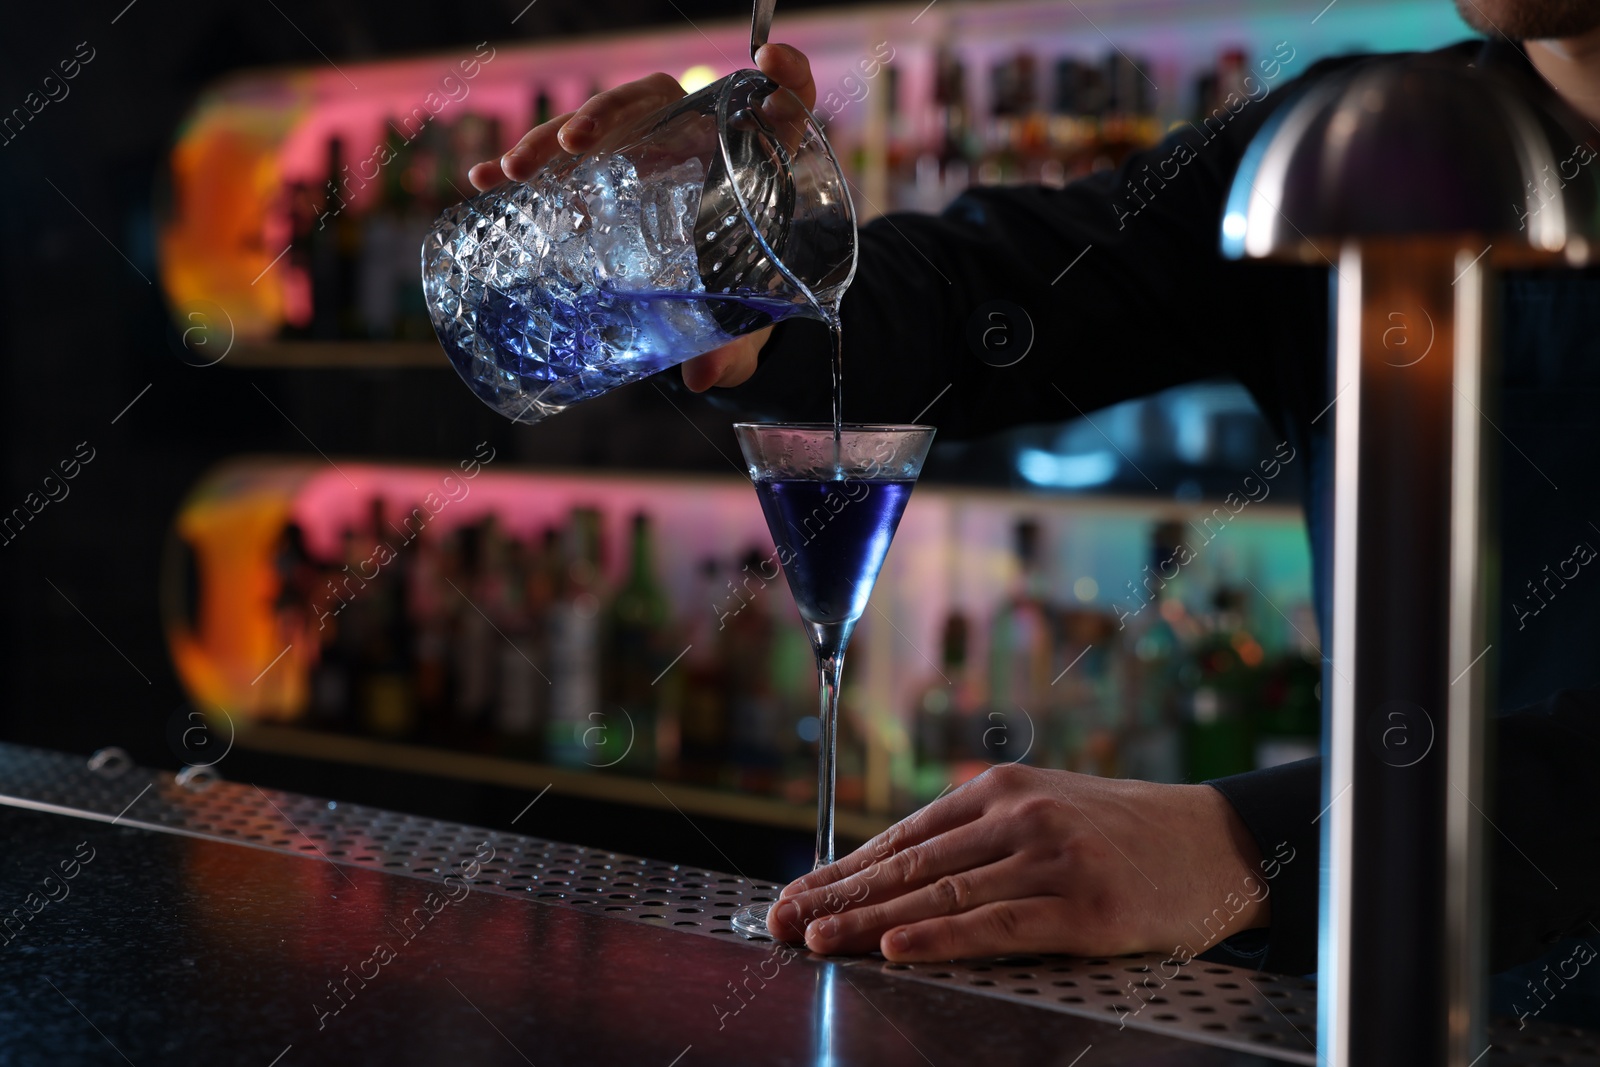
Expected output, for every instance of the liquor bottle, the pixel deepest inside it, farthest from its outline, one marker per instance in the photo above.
(523, 689)
(1021, 644)
(383, 253)
(1011, 99)
(419, 176)
(954, 150)
(794, 681)
(1222, 716)
(1158, 633)
(346, 611)
(943, 704)
(301, 207)
(704, 729)
(330, 270)
(1129, 122)
(635, 660)
(1080, 112)
(388, 709)
(1083, 725)
(427, 597)
(1291, 720)
(576, 725)
(899, 157)
(752, 705)
(474, 655)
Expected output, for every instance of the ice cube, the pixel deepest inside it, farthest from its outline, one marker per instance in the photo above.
(668, 207)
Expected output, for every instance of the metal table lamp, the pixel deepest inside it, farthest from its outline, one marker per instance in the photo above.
(1414, 179)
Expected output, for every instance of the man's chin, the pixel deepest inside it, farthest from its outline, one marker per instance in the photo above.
(1531, 19)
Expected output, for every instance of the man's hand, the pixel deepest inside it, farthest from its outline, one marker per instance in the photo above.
(1027, 860)
(580, 131)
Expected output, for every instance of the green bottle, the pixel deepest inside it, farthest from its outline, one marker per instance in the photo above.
(633, 661)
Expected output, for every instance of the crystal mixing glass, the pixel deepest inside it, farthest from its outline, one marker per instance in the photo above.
(716, 216)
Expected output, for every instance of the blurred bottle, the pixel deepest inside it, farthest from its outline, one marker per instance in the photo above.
(635, 659)
(1012, 98)
(344, 616)
(900, 155)
(301, 205)
(334, 241)
(1021, 644)
(1221, 724)
(524, 688)
(575, 712)
(428, 601)
(704, 747)
(946, 701)
(1085, 702)
(1078, 128)
(420, 172)
(950, 156)
(474, 654)
(388, 708)
(1290, 727)
(752, 704)
(384, 256)
(1129, 122)
(795, 685)
(1156, 639)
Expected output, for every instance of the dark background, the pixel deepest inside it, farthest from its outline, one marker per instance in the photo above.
(85, 329)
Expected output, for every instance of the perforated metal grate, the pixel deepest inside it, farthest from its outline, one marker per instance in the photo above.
(649, 891)
(1269, 1015)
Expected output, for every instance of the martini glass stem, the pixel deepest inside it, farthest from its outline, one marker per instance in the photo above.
(828, 641)
(830, 669)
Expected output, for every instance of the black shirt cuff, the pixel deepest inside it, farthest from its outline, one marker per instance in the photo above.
(1279, 805)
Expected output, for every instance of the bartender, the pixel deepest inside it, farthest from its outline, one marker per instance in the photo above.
(1127, 294)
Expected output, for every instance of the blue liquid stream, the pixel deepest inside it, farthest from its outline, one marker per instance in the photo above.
(832, 537)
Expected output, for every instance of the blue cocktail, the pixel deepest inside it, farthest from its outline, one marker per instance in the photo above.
(833, 498)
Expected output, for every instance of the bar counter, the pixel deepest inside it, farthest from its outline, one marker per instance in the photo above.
(189, 919)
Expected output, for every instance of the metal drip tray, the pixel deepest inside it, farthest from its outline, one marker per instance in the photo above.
(1268, 1015)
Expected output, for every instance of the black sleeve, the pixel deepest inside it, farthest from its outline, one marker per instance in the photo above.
(1278, 805)
(1544, 868)
(1119, 274)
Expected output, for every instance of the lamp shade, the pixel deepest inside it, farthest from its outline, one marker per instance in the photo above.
(1411, 147)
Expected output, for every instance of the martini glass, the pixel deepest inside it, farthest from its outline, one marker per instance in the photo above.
(833, 498)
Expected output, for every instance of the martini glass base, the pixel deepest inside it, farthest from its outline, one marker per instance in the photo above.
(752, 921)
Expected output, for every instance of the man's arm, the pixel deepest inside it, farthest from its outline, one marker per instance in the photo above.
(1544, 879)
(1119, 274)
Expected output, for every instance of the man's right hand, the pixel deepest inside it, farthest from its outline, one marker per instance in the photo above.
(580, 131)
